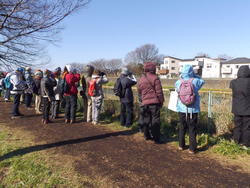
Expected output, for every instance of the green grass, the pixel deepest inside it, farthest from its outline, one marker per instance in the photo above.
(33, 169)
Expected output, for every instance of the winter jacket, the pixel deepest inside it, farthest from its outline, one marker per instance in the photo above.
(58, 89)
(150, 89)
(100, 80)
(72, 80)
(29, 81)
(186, 74)
(241, 92)
(16, 79)
(127, 82)
(1, 83)
(47, 87)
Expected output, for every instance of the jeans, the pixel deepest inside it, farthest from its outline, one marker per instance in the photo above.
(190, 124)
(151, 121)
(70, 108)
(15, 109)
(28, 99)
(126, 116)
(7, 94)
(55, 109)
(96, 107)
(241, 132)
(46, 107)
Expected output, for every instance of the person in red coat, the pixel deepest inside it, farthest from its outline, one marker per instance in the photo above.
(72, 78)
(151, 98)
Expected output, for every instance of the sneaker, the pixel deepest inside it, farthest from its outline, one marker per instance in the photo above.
(72, 121)
(66, 121)
(16, 117)
(94, 122)
(180, 148)
(191, 152)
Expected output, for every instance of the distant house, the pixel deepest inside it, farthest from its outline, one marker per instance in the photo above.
(230, 68)
(170, 67)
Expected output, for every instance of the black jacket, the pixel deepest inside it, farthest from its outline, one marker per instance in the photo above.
(127, 84)
(241, 92)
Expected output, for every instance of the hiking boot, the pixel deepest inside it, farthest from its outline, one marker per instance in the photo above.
(180, 148)
(16, 117)
(66, 121)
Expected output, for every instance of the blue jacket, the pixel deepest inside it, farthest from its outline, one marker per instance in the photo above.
(187, 73)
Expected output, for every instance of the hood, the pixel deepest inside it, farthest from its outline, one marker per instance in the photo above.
(243, 72)
(125, 71)
(69, 68)
(149, 67)
(187, 72)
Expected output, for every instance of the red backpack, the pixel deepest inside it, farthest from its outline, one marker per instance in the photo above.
(186, 92)
(92, 88)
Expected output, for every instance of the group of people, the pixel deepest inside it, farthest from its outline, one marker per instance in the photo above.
(56, 89)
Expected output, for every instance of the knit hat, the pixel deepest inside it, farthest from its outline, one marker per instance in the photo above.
(27, 68)
(20, 69)
(150, 67)
(46, 72)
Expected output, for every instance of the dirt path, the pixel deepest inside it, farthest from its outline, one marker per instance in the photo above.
(123, 159)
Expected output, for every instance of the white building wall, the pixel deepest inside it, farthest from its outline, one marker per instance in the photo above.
(211, 68)
(231, 70)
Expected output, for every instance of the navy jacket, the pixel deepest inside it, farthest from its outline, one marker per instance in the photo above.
(127, 84)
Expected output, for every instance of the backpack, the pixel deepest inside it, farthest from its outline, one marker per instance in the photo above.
(92, 88)
(118, 89)
(65, 88)
(7, 83)
(186, 92)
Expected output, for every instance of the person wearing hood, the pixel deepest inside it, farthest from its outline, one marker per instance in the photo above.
(70, 95)
(48, 95)
(28, 93)
(241, 106)
(189, 114)
(95, 91)
(127, 80)
(17, 86)
(151, 98)
(88, 111)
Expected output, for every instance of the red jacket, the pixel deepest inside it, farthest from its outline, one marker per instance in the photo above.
(72, 80)
(150, 89)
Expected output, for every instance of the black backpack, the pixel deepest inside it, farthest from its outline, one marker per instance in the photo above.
(118, 89)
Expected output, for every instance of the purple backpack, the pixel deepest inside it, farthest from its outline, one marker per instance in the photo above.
(186, 92)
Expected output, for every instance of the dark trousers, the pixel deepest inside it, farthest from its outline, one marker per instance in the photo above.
(241, 132)
(126, 115)
(151, 121)
(55, 109)
(70, 108)
(15, 110)
(7, 94)
(85, 107)
(28, 99)
(46, 107)
(190, 124)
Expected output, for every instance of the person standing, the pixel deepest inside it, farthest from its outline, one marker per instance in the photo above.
(28, 93)
(84, 98)
(95, 91)
(48, 96)
(16, 84)
(127, 80)
(90, 71)
(241, 106)
(57, 89)
(37, 80)
(151, 95)
(1, 83)
(71, 79)
(188, 113)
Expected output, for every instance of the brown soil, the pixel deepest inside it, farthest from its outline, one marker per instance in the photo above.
(121, 158)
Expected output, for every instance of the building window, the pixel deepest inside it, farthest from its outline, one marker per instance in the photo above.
(236, 66)
(172, 68)
(209, 66)
(172, 61)
(228, 66)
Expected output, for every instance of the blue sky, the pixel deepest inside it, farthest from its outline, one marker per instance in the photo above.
(182, 28)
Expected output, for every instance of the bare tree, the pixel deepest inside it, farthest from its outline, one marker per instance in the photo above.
(80, 67)
(111, 66)
(202, 54)
(144, 53)
(26, 24)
